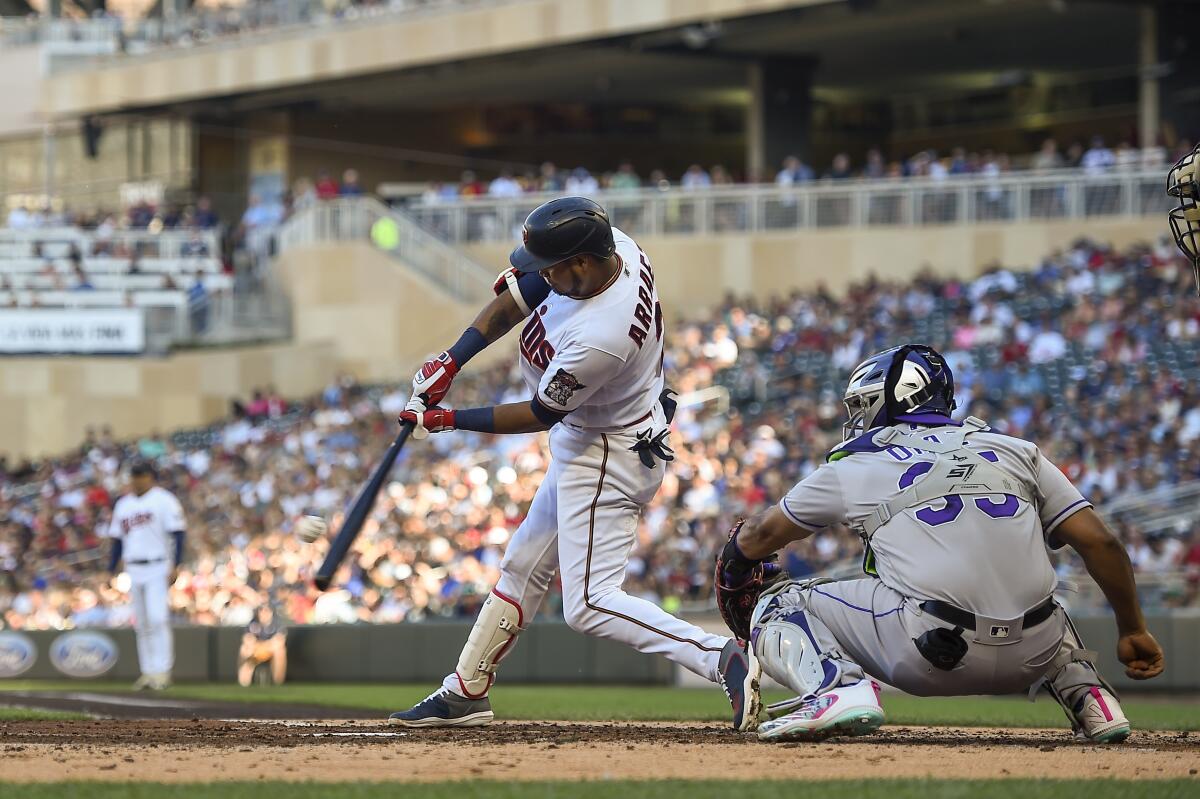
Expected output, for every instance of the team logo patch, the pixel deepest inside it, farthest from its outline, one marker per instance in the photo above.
(562, 386)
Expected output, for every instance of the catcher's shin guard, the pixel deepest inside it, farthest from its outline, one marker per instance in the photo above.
(496, 628)
(1073, 674)
(795, 648)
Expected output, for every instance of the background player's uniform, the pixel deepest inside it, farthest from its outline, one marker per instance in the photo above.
(145, 524)
(983, 554)
(599, 361)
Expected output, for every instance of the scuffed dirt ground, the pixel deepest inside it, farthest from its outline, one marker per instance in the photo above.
(208, 750)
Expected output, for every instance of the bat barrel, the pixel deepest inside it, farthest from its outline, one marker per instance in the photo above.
(359, 512)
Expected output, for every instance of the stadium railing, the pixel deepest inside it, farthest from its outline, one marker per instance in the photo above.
(367, 220)
(959, 200)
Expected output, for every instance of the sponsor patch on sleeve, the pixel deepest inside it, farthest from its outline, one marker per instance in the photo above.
(562, 386)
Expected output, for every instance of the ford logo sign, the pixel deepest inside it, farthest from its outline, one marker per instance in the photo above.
(83, 654)
(17, 654)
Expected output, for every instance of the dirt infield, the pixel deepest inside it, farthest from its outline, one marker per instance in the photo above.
(210, 750)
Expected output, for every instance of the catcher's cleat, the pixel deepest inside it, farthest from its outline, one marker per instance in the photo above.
(1099, 718)
(739, 672)
(444, 708)
(848, 710)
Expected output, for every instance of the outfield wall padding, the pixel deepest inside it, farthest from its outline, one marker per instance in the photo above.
(548, 652)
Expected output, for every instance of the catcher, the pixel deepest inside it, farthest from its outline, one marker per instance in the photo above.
(1183, 183)
(265, 641)
(956, 521)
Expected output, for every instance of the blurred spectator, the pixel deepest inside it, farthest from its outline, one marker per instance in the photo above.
(695, 178)
(198, 304)
(504, 186)
(326, 187)
(625, 178)
(549, 178)
(581, 183)
(839, 169)
(205, 217)
(263, 643)
(350, 186)
(794, 171)
(469, 185)
(1098, 159)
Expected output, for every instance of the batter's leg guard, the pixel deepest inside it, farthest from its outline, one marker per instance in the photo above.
(496, 628)
(1091, 704)
(795, 648)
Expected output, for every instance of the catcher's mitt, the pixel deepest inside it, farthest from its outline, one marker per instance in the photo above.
(739, 581)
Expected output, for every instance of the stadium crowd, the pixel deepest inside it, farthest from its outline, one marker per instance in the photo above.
(1092, 354)
(1095, 158)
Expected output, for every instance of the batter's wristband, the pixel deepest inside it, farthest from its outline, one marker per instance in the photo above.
(469, 344)
(481, 420)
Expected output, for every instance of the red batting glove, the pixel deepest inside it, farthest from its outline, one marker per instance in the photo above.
(433, 379)
(434, 420)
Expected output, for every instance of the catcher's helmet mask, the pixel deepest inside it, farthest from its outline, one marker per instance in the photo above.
(903, 382)
(1183, 183)
(561, 229)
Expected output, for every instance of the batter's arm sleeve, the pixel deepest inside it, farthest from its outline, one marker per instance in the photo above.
(816, 501)
(529, 291)
(1061, 498)
(574, 375)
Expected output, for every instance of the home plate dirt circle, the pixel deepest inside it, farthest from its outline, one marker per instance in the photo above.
(206, 750)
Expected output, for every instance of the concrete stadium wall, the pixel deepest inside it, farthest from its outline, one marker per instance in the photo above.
(46, 404)
(270, 60)
(549, 652)
(381, 318)
(694, 273)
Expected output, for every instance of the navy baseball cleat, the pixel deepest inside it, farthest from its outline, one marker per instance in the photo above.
(444, 708)
(739, 672)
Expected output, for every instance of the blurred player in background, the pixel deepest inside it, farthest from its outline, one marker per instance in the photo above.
(147, 530)
(265, 641)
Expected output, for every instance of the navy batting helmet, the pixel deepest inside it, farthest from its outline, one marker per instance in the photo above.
(562, 229)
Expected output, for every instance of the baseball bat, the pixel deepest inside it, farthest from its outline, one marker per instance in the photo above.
(359, 510)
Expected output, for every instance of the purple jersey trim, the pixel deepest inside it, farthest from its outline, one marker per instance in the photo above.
(927, 418)
(1061, 515)
(812, 528)
(856, 607)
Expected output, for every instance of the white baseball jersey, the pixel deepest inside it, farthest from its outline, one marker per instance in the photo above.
(986, 554)
(144, 524)
(600, 359)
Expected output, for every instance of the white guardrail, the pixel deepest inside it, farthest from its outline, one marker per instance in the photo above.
(366, 219)
(961, 200)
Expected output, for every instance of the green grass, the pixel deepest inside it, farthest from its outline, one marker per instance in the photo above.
(29, 714)
(658, 789)
(640, 703)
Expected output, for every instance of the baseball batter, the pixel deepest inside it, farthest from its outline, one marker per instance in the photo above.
(956, 521)
(591, 352)
(147, 530)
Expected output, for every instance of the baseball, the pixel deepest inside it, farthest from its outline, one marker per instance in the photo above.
(310, 528)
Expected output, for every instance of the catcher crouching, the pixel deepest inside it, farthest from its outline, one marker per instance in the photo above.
(957, 522)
